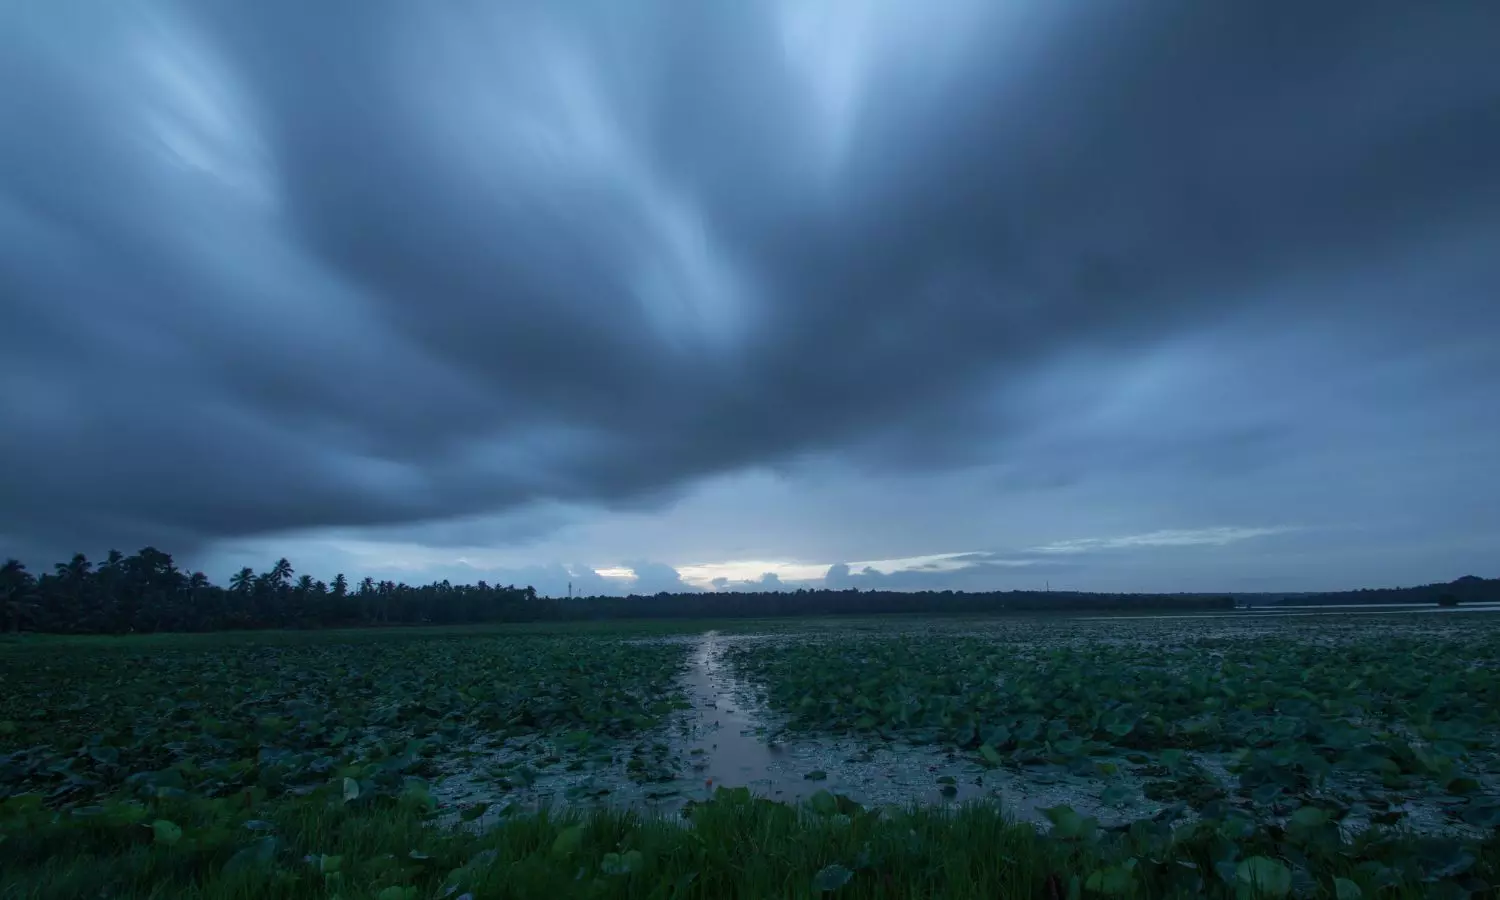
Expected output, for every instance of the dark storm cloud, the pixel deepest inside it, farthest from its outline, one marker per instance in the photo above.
(273, 266)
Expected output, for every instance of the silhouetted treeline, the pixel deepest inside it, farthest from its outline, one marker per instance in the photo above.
(1468, 589)
(147, 592)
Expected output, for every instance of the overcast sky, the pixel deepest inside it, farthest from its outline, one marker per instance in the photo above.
(973, 294)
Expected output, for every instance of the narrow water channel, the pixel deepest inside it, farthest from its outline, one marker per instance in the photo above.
(726, 738)
(725, 744)
(729, 745)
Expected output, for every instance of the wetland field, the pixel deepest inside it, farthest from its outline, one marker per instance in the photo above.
(1320, 755)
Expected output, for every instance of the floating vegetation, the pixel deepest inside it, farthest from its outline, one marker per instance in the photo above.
(276, 719)
(1359, 722)
(1051, 759)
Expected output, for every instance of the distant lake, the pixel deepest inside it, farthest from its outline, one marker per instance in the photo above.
(1347, 609)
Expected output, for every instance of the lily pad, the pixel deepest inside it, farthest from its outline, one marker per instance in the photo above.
(831, 878)
(1265, 875)
(166, 832)
(567, 841)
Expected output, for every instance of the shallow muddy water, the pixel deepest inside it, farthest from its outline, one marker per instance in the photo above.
(725, 738)
(730, 744)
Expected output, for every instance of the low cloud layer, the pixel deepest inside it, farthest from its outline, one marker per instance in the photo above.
(480, 275)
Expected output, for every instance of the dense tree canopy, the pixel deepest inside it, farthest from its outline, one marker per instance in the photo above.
(148, 592)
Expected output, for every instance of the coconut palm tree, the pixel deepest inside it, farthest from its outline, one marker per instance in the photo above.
(243, 581)
(280, 573)
(18, 598)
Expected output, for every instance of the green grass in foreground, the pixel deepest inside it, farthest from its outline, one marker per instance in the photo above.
(330, 845)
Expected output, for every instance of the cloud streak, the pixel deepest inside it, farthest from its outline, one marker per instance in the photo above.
(1217, 537)
(410, 271)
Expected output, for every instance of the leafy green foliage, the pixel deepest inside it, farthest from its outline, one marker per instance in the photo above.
(166, 832)
(1291, 719)
(1344, 889)
(1112, 881)
(622, 863)
(263, 720)
(296, 769)
(1265, 876)
(831, 878)
(567, 841)
(735, 845)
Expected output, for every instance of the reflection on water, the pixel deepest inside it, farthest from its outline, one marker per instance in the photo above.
(728, 746)
(1292, 612)
(725, 738)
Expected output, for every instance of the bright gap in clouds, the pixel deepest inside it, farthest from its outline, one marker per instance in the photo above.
(704, 574)
(417, 563)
